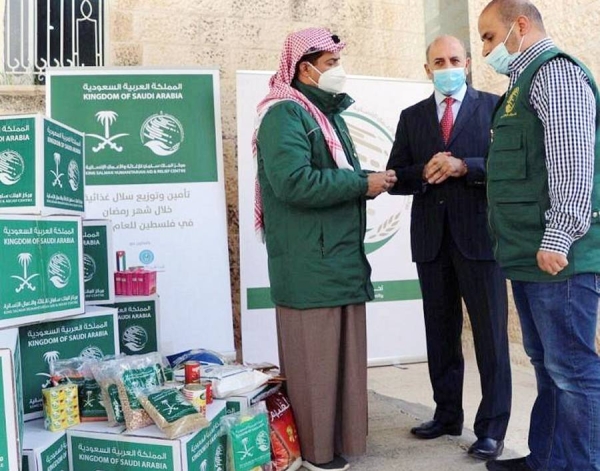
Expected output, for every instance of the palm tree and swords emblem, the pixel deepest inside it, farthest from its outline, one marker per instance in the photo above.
(107, 118)
(57, 174)
(24, 260)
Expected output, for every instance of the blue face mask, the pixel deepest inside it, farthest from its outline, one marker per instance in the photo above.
(500, 59)
(449, 81)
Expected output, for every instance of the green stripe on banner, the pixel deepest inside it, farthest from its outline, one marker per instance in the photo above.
(259, 298)
(385, 291)
(405, 290)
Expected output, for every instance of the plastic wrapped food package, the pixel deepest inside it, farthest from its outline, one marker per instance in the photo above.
(248, 440)
(78, 371)
(171, 411)
(285, 443)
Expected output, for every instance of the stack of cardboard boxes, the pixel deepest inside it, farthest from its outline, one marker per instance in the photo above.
(41, 256)
(57, 301)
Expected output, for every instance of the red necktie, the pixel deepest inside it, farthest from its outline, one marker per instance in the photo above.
(447, 119)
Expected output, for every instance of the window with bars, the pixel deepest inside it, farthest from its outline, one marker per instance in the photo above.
(38, 34)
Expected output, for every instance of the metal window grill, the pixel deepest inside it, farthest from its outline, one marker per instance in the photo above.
(50, 33)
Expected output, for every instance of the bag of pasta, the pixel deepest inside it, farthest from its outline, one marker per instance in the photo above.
(171, 411)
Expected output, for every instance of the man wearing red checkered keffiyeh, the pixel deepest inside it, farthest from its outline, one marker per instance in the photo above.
(311, 208)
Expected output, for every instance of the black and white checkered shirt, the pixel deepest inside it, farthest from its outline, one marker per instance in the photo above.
(564, 101)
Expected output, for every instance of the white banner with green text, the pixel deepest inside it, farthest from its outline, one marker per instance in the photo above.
(154, 167)
(395, 328)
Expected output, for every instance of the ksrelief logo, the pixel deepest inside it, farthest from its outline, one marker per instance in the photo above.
(74, 175)
(511, 102)
(89, 268)
(373, 145)
(135, 338)
(92, 352)
(12, 167)
(262, 441)
(162, 134)
(59, 270)
(24, 260)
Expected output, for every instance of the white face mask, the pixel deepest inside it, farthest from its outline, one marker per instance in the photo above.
(500, 59)
(332, 80)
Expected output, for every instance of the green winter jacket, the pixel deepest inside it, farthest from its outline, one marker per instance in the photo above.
(517, 186)
(314, 212)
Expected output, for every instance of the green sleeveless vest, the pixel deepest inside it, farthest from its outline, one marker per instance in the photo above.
(517, 185)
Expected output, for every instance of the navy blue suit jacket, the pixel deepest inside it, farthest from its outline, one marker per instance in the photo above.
(458, 202)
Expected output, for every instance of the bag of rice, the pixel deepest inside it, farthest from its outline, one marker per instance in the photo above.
(171, 411)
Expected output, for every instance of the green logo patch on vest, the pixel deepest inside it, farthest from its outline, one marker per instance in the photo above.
(511, 101)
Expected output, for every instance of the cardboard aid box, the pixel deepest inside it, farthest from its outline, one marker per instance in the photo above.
(95, 446)
(44, 450)
(242, 402)
(11, 418)
(98, 262)
(41, 268)
(138, 323)
(93, 335)
(42, 166)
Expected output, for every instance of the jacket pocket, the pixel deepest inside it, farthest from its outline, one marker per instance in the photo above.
(519, 227)
(508, 157)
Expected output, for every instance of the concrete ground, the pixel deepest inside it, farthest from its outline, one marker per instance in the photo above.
(400, 397)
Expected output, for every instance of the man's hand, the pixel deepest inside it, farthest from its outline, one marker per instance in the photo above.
(442, 166)
(380, 182)
(551, 262)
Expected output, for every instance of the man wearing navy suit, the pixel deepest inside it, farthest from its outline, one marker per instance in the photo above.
(439, 156)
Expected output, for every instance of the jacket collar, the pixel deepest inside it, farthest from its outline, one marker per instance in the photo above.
(327, 103)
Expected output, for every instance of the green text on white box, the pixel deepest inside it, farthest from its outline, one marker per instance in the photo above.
(11, 418)
(44, 450)
(41, 166)
(138, 323)
(41, 268)
(98, 262)
(92, 335)
(97, 447)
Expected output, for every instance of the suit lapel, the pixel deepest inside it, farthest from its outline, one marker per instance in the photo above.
(467, 109)
(431, 118)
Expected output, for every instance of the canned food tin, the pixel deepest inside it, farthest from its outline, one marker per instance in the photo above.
(196, 394)
(192, 372)
(209, 395)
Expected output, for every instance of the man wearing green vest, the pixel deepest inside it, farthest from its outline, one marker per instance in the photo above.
(544, 214)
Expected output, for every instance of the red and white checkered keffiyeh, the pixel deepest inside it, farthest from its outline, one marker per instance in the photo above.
(295, 47)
